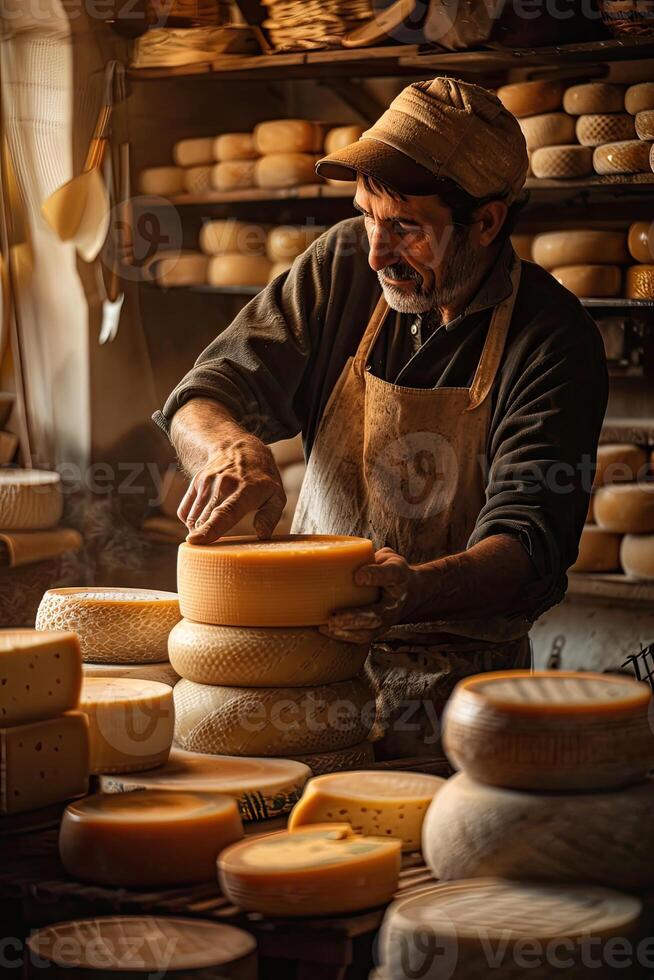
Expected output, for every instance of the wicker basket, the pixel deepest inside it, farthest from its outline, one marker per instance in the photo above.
(634, 17)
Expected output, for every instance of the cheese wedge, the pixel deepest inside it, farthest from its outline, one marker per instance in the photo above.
(40, 675)
(604, 127)
(531, 98)
(639, 97)
(357, 757)
(278, 170)
(286, 242)
(626, 508)
(30, 500)
(163, 673)
(552, 730)
(593, 97)
(553, 249)
(620, 463)
(637, 556)
(319, 870)
(289, 136)
(150, 838)
(641, 241)
(234, 146)
(227, 235)
(640, 282)
(565, 162)
(599, 551)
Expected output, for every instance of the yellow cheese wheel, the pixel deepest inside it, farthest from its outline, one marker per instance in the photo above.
(551, 730)
(197, 180)
(164, 672)
(289, 136)
(620, 463)
(227, 235)
(356, 757)
(640, 282)
(599, 551)
(593, 97)
(194, 152)
(286, 170)
(298, 580)
(531, 98)
(605, 127)
(639, 98)
(234, 269)
(522, 246)
(627, 157)
(234, 146)
(626, 508)
(182, 269)
(286, 242)
(233, 175)
(272, 721)
(232, 655)
(645, 124)
(147, 839)
(341, 136)
(637, 556)
(641, 241)
(590, 280)
(40, 675)
(278, 269)
(30, 500)
(563, 162)
(318, 870)
(576, 246)
(162, 181)
(549, 129)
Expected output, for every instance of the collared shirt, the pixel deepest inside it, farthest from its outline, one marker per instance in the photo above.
(275, 366)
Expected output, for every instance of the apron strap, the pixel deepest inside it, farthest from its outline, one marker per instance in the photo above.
(370, 335)
(491, 356)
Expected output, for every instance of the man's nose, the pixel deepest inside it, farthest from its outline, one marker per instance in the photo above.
(383, 248)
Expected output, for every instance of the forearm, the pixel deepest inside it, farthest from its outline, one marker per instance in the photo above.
(200, 430)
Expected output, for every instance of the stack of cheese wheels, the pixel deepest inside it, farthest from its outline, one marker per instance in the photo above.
(286, 242)
(337, 139)
(627, 510)
(259, 679)
(288, 151)
(237, 253)
(639, 101)
(554, 762)
(587, 261)
(640, 278)
(44, 742)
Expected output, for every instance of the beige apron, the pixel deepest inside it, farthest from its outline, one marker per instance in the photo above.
(406, 467)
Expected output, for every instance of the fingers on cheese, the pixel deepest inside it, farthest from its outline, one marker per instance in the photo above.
(30, 500)
(40, 675)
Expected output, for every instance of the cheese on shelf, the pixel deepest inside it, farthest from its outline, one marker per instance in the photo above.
(286, 242)
(30, 500)
(154, 946)
(289, 136)
(531, 98)
(278, 269)
(234, 146)
(645, 125)
(550, 129)
(552, 730)
(197, 180)
(575, 246)
(640, 282)
(294, 580)
(272, 721)
(590, 280)
(376, 804)
(261, 657)
(639, 97)
(162, 181)
(593, 97)
(641, 241)
(181, 269)
(286, 170)
(149, 838)
(341, 136)
(620, 463)
(163, 673)
(599, 551)
(40, 675)
(232, 175)
(626, 157)
(637, 556)
(600, 128)
(562, 161)
(317, 870)
(194, 152)
(227, 235)
(262, 788)
(43, 762)
(626, 508)
(522, 246)
(113, 625)
(238, 270)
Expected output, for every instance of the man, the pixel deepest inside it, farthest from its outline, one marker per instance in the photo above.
(451, 416)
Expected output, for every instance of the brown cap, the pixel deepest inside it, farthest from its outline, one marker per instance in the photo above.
(435, 130)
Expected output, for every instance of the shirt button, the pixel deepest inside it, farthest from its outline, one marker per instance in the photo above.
(414, 329)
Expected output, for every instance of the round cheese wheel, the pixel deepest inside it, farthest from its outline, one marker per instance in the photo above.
(227, 235)
(113, 625)
(592, 98)
(30, 500)
(289, 136)
(238, 270)
(164, 673)
(640, 282)
(639, 97)
(552, 730)
(194, 152)
(590, 516)
(261, 657)
(161, 181)
(341, 136)
(522, 246)
(603, 127)
(553, 837)
(590, 280)
(637, 556)
(562, 162)
(620, 463)
(356, 757)
(531, 98)
(549, 129)
(181, 269)
(641, 241)
(626, 508)
(147, 839)
(575, 246)
(234, 146)
(278, 269)
(645, 124)
(297, 580)
(627, 157)
(286, 242)
(197, 180)
(233, 175)
(286, 170)
(599, 551)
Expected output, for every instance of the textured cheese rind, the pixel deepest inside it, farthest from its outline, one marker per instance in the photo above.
(163, 673)
(620, 463)
(286, 170)
(590, 280)
(531, 98)
(43, 762)
(637, 556)
(40, 675)
(640, 241)
(227, 235)
(233, 175)
(113, 625)
(289, 136)
(187, 269)
(640, 282)
(152, 838)
(234, 146)
(238, 270)
(593, 97)
(235, 656)
(162, 181)
(286, 242)
(30, 500)
(341, 136)
(599, 128)
(645, 125)
(551, 730)
(318, 870)
(357, 757)
(375, 804)
(626, 508)
(639, 97)
(625, 157)
(576, 246)
(286, 721)
(194, 152)
(197, 180)
(562, 162)
(549, 129)
(599, 551)
(297, 580)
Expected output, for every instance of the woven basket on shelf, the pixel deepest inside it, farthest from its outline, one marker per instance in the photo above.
(634, 17)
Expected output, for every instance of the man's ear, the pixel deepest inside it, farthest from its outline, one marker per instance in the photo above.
(491, 217)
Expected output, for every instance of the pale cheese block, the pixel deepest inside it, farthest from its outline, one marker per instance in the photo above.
(234, 146)
(162, 181)
(279, 170)
(182, 269)
(645, 125)
(263, 788)
(197, 180)
(552, 730)
(234, 269)
(549, 129)
(233, 175)
(279, 269)
(194, 152)
(522, 246)
(637, 556)
(575, 246)
(145, 945)
(341, 136)
(639, 98)
(604, 127)
(626, 157)
(640, 282)
(626, 508)
(531, 98)
(113, 625)
(640, 241)
(620, 463)
(147, 839)
(272, 721)
(318, 870)
(286, 242)
(227, 235)
(43, 762)
(163, 673)
(289, 136)
(30, 500)
(40, 675)
(357, 757)
(593, 97)
(562, 162)
(590, 280)
(250, 657)
(599, 551)
(375, 804)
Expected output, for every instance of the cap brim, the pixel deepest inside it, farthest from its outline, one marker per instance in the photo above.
(386, 164)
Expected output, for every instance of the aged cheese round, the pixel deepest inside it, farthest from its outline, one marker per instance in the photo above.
(639, 97)
(131, 723)
(181, 269)
(357, 757)
(147, 839)
(604, 127)
(234, 269)
(522, 246)
(227, 235)
(552, 730)
(620, 463)
(289, 136)
(278, 269)
(30, 500)
(250, 657)
(645, 125)
(341, 136)
(549, 129)
(562, 161)
(163, 673)
(145, 945)
(375, 804)
(286, 242)
(641, 241)
(637, 556)
(640, 282)
(531, 98)
(626, 157)
(272, 721)
(233, 175)
(574, 246)
(593, 97)
(626, 508)
(194, 152)
(296, 580)
(162, 181)
(599, 551)
(286, 170)
(197, 180)
(318, 870)
(113, 625)
(590, 280)
(234, 146)
(262, 788)
(40, 675)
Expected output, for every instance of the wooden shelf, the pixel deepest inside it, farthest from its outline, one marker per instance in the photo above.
(206, 288)
(617, 588)
(303, 192)
(618, 305)
(639, 431)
